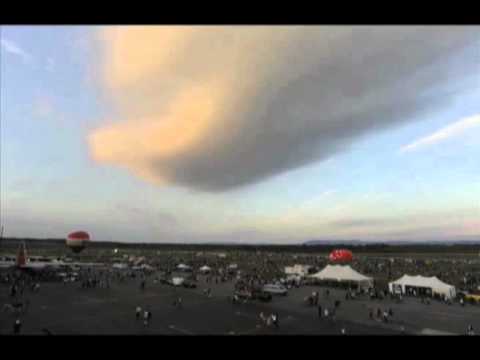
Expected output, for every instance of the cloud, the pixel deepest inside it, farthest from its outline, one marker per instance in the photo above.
(456, 129)
(146, 216)
(368, 222)
(12, 48)
(216, 108)
(444, 224)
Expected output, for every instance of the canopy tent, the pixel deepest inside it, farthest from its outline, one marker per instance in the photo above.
(433, 283)
(177, 281)
(183, 267)
(205, 269)
(343, 273)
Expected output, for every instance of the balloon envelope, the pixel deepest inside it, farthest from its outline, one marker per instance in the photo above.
(341, 255)
(77, 241)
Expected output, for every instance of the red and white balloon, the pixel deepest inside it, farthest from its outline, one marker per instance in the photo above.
(78, 240)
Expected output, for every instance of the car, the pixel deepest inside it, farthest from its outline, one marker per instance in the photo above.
(275, 289)
(472, 298)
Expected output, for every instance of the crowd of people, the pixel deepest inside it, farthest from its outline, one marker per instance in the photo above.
(255, 269)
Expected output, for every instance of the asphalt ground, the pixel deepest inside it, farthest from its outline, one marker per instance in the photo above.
(68, 309)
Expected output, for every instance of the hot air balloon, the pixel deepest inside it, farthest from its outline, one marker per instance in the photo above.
(340, 255)
(77, 241)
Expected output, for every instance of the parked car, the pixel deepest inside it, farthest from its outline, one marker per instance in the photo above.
(275, 289)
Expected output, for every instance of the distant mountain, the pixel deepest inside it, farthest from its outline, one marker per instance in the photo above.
(390, 242)
(337, 242)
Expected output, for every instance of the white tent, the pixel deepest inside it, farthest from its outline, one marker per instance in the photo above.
(183, 267)
(177, 281)
(343, 273)
(205, 269)
(437, 286)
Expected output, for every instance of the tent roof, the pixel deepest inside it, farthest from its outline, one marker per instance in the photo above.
(182, 266)
(422, 281)
(340, 273)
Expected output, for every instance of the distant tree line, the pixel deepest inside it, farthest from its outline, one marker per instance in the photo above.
(381, 248)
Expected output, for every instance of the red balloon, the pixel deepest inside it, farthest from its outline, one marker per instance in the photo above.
(341, 255)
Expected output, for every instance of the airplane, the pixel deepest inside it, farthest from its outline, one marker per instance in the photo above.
(38, 263)
(24, 263)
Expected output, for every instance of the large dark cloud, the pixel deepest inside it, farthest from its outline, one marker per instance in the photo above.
(297, 99)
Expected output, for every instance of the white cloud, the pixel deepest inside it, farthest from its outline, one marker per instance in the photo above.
(456, 129)
(14, 49)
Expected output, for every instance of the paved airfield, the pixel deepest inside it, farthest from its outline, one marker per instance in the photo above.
(67, 309)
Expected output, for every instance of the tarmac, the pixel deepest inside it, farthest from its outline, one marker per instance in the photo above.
(68, 310)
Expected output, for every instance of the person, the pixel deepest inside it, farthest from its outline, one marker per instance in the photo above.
(275, 320)
(326, 313)
(319, 311)
(17, 326)
(390, 312)
(371, 314)
(145, 318)
(13, 290)
(344, 332)
(262, 318)
(470, 330)
(138, 311)
(333, 314)
(269, 321)
(462, 302)
(385, 316)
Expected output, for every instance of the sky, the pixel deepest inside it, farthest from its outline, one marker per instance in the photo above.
(254, 134)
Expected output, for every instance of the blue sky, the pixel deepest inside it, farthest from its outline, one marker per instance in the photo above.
(348, 185)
